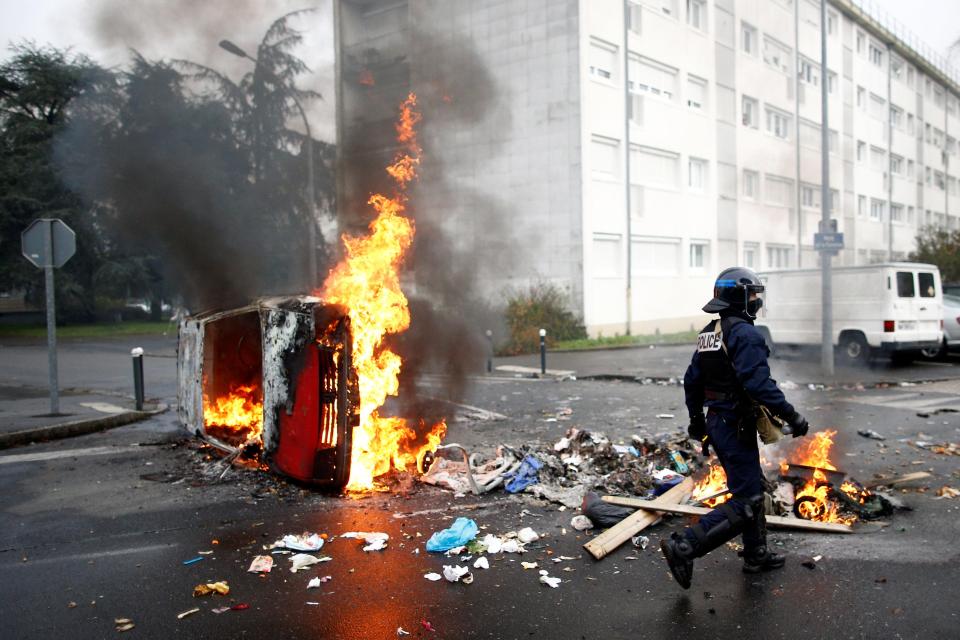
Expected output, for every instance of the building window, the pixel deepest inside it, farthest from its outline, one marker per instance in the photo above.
(696, 92)
(607, 255)
(927, 177)
(778, 123)
(653, 78)
(751, 184)
(896, 117)
(697, 174)
(861, 206)
(833, 141)
(896, 212)
(698, 255)
(809, 72)
(776, 54)
(861, 150)
(697, 14)
(938, 180)
(831, 23)
(951, 185)
(896, 67)
(878, 107)
(603, 60)
(751, 114)
(937, 138)
(656, 256)
(861, 98)
(927, 135)
(831, 82)
(861, 42)
(605, 155)
(876, 209)
(750, 255)
(909, 215)
(951, 147)
(876, 54)
(778, 257)
(909, 168)
(778, 191)
(896, 164)
(910, 129)
(809, 196)
(634, 17)
(655, 167)
(878, 158)
(748, 39)
(910, 76)
(938, 96)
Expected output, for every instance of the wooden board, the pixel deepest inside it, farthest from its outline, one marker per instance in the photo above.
(601, 545)
(910, 477)
(772, 521)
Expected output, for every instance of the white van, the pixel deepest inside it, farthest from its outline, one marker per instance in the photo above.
(893, 308)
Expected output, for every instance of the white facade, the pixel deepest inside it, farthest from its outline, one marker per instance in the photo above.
(701, 118)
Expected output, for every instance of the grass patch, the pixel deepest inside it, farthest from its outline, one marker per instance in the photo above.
(93, 330)
(626, 341)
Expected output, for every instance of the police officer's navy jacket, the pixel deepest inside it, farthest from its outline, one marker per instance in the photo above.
(717, 379)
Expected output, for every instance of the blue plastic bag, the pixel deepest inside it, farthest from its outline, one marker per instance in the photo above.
(523, 477)
(462, 531)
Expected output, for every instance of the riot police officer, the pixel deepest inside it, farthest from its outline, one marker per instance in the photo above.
(729, 375)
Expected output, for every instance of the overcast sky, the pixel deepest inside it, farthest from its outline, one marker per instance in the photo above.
(106, 29)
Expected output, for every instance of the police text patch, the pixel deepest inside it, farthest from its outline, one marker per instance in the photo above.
(710, 341)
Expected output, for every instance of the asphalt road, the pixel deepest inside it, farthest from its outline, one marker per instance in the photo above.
(105, 521)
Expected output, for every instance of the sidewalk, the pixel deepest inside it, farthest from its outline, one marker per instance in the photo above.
(25, 414)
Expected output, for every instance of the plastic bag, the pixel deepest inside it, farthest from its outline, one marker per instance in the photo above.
(603, 514)
(462, 531)
(523, 477)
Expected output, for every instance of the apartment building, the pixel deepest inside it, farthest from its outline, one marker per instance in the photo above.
(629, 150)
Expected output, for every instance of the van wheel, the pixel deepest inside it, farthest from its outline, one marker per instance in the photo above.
(854, 348)
(935, 353)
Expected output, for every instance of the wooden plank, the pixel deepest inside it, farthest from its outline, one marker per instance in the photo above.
(772, 521)
(601, 545)
(910, 477)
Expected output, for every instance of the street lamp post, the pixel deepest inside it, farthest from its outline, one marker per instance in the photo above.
(230, 47)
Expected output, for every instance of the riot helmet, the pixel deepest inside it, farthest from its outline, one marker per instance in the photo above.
(737, 288)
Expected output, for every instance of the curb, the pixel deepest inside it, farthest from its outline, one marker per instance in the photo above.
(76, 427)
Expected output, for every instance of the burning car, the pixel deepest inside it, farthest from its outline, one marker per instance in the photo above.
(273, 381)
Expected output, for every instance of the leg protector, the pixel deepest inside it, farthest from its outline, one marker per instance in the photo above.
(729, 527)
(679, 554)
(756, 555)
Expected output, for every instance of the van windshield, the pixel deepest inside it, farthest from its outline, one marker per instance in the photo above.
(905, 284)
(927, 288)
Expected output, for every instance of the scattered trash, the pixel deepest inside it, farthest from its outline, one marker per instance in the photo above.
(314, 583)
(666, 416)
(789, 385)
(402, 632)
(553, 583)
(817, 558)
(523, 477)
(809, 564)
(123, 624)
(190, 612)
(600, 513)
(870, 433)
(303, 542)
(219, 610)
(529, 565)
(432, 577)
(71, 605)
(261, 564)
(375, 540)
(527, 535)
(640, 542)
(242, 606)
(582, 523)
(948, 492)
(454, 573)
(426, 625)
(205, 589)
(193, 560)
(462, 531)
(326, 579)
(481, 563)
(304, 560)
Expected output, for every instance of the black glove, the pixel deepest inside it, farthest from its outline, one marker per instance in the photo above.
(798, 425)
(698, 427)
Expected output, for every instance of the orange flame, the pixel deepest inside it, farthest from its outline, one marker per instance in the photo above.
(714, 482)
(236, 416)
(818, 505)
(367, 283)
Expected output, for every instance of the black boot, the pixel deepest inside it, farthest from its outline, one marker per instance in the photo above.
(760, 559)
(679, 554)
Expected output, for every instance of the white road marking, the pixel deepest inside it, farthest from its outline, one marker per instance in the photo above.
(69, 453)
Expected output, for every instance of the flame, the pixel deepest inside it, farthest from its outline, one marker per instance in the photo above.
(236, 416)
(367, 283)
(714, 482)
(814, 498)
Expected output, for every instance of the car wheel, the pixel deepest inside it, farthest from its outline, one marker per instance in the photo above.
(854, 349)
(935, 353)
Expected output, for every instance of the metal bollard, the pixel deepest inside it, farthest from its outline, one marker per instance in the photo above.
(489, 351)
(137, 354)
(543, 352)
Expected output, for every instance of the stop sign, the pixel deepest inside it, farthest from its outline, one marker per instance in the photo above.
(48, 242)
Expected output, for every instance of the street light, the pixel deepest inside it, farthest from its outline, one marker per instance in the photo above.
(230, 47)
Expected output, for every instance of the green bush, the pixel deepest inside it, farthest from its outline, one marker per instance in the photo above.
(541, 306)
